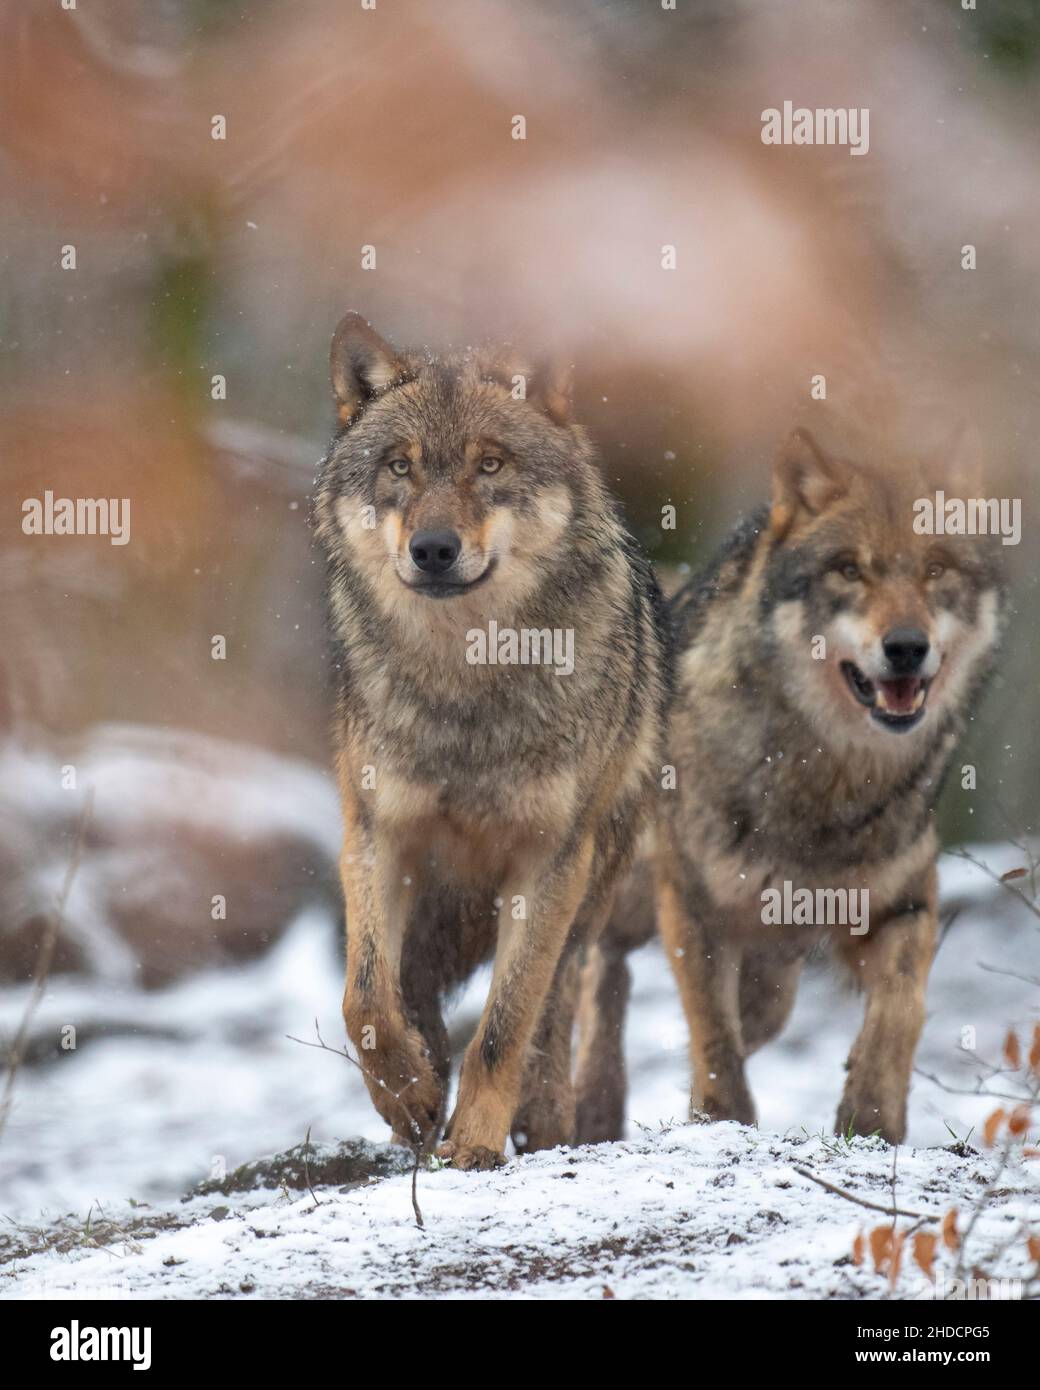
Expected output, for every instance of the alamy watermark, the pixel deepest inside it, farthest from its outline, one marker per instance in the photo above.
(77, 516)
(822, 907)
(525, 646)
(821, 125)
(969, 516)
(971, 1289)
(84, 1343)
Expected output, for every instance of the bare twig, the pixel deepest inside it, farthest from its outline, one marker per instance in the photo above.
(16, 1052)
(1029, 1095)
(967, 1090)
(307, 1170)
(416, 1145)
(415, 1189)
(945, 926)
(1020, 843)
(1011, 974)
(979, 1207)
(892, 1211)
(996, 878)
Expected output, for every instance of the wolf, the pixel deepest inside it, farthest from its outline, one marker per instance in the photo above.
(827, 662)
(489, 806)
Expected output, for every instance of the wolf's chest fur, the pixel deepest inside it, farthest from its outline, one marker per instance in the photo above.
(464, 799)
(799, 813)
(477, 771)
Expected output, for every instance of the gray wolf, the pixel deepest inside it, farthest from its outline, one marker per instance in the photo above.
(489, 805)
(827, 663)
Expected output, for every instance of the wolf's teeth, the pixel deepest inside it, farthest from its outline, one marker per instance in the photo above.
(880, 700)
(919, 699)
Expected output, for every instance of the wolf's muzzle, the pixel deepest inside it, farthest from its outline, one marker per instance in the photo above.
(905, 650)
(434, 552)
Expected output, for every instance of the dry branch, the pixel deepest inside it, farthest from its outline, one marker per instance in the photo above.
(16, 1052)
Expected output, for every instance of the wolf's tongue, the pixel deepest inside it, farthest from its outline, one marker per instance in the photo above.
(899, 696)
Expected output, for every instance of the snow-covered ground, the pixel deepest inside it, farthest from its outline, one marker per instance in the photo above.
(165, 1089)
(693, 1211)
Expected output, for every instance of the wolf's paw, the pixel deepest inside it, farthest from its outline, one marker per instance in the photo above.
(463, 1156)
(733, 1106)
(407, 1092)
(867, 1115)
(544, 1123)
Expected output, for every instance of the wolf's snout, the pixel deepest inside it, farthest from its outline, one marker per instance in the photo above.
(905, 648)
(434, 552)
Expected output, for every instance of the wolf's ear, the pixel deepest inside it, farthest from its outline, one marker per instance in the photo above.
(805, 482)
(552, 389)
(957, 463)
(548, 382)
(361, 363)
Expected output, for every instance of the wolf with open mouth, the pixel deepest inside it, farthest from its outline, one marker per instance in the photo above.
(827, 663)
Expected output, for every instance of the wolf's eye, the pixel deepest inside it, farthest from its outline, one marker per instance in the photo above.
(850, 570)
(400, 468)
(490, 464)
(935, 570)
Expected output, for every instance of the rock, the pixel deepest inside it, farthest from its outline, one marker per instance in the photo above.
(198, 852)
(347, 1164)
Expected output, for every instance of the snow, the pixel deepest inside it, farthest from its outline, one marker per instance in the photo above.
(694, 1211)
(140, 771)
(165, 1088)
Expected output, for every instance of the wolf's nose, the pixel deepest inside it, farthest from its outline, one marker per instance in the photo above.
(433, 552)
(906, 648)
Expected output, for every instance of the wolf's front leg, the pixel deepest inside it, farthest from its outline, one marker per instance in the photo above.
(601, 1084)
(537, 911)
(892, 962)
(398, 1071)
(544, 1118)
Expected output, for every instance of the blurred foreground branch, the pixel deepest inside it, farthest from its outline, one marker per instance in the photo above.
(16, 1052)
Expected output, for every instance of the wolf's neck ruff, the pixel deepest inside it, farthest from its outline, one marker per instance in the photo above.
(419, 650)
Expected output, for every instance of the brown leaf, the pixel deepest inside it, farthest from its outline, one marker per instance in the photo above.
(1012, 1051)
(1031, 1153)
(1018, 1120)
(950, 1238)
(1033, 1246)
(880, 1247)
(992, 1125)
(1034, 1051)
(857, 1249)
(896, 1260)
(1012, 874)
(608, 1292)
(925, 1246)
